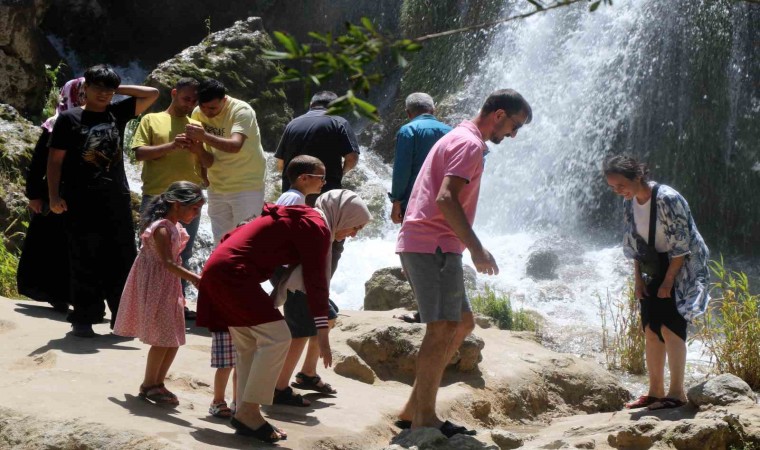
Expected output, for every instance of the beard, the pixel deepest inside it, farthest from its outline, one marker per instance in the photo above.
(496, 140)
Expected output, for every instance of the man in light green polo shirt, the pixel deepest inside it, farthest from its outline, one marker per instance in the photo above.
(168, 155)
(236, 176)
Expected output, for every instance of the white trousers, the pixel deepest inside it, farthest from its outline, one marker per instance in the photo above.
(261, 352)
(226, 211)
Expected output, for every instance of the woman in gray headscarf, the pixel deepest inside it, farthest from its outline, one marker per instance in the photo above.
(230, 295)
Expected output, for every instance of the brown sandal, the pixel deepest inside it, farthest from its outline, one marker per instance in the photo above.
(157, 395)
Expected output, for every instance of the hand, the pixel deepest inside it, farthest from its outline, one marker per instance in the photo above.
(639, 289)
(665, 288)
(396, 216)
(195, 147)
(58, 205)
(323, 336)
(35, 205)
(484, 261)
(181, 141)
(195, 132)
(195, 280)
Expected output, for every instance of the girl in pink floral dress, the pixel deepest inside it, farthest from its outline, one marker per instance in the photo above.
(152, 304)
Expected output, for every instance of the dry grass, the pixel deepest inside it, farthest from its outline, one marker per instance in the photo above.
(622, 336)
(730, 329)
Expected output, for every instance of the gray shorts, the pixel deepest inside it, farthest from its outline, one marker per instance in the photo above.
(437, 281)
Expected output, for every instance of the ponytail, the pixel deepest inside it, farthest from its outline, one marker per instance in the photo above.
(182, 192)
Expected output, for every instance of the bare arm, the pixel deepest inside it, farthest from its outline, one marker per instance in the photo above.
(280, 165)
(54, 166)
(144, 96)
(164, 247)
(231, 145)
(206, 159)
(350, 161)
(449, 205)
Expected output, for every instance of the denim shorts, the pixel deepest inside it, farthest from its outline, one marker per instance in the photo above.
(299, 318)
(437, 281)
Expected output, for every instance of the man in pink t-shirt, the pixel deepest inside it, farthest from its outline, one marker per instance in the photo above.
(437, 228)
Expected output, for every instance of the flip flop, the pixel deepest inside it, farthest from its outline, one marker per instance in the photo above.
(641, 402)
(666, 403)
(308, 383)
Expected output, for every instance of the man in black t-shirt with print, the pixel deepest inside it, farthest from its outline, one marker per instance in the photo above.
(86, 178)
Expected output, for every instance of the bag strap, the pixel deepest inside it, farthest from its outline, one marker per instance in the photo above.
(653, 215)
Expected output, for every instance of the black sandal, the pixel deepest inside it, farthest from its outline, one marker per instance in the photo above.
(312, 384)
(449, 429)
(266, 432)
(287, 397)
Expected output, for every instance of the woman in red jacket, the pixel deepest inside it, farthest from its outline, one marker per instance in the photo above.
(230, 295)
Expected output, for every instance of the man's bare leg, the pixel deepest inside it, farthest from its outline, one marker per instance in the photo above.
(463, 329)
(431, 362)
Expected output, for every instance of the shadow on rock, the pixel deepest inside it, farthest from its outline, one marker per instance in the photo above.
(40, 311)
(85, 346)
(139, 407)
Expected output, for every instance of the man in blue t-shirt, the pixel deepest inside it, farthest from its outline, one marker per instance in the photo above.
(413, 142)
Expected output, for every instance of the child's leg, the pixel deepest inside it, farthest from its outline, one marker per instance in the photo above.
(309, 367)
(220, 383)
(153, 365)
(291, 360)
(171, 352)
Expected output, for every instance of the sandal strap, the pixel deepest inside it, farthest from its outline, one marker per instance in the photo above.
(309, 380)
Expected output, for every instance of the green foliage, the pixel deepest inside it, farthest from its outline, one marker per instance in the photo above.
(129, 134)
(352, 55)
(730, 328)
(497, 305)
(53, 94)
(349, 55)
(623, 342)
(207, 24)
(8, 265)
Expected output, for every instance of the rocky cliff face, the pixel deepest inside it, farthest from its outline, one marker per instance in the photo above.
(22, 50)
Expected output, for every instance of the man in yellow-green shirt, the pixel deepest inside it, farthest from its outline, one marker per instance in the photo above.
(168, 155)
(236, 176)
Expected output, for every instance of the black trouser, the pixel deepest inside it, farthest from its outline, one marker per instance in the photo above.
(101, 252)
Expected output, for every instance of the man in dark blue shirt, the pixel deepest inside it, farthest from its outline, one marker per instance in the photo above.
(413, 142)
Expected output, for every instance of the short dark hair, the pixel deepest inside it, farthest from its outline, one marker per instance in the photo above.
(300, 165)
(211, 89)
(102, 75)
(626, 166)
(186, 82)
(323, 99)
(510, 101)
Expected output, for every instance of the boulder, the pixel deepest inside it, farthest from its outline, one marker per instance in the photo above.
(725, 389)
(542, 265)
(23, 50)
(351, 366)
(506, 440)
(388, 289)
(391, 351)
(433, 439)
(546, 256)
(233, 56)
